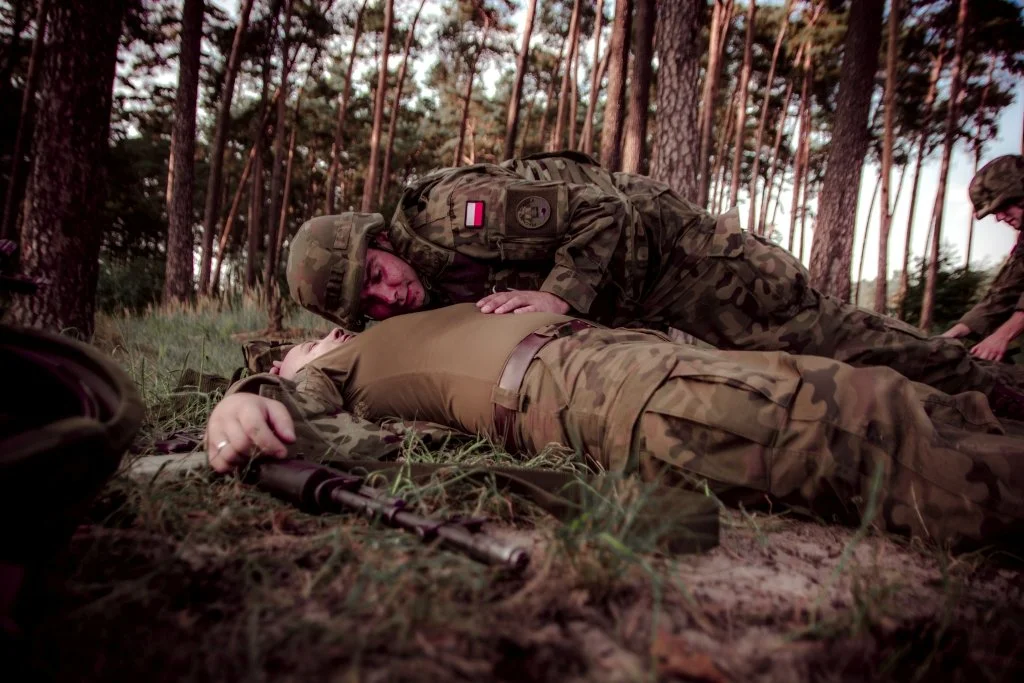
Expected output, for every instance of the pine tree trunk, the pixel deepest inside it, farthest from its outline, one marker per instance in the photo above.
(635, 143)
(522, 61)
(587, 136)
(549, 95)
(614, 109)
(929, 101)
(837, 207)
(741, 108)
(370, 184)
(229, 221)
(469, 91)
(278, 160)
(802, 145)
(330, 205)
(220, 138)
(275, 315)
(888, 103)
(180, 233)
(397, 104)
(864, 242)
(64, 198)
(720, 21)
(978, 147)
(9, 226)
(558, 135)
(928, 302)
(678, 37)
(574, 95)
(780, 129)
(762, 120)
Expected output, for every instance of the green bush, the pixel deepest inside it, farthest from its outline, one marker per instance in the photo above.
(130, 285)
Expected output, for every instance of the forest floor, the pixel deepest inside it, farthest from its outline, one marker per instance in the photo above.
(199, 577)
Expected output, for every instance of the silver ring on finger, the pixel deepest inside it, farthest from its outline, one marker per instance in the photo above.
(219, 447)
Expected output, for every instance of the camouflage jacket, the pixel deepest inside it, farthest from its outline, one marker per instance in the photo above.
(473, 230)
(1004, 296)
(324, 426)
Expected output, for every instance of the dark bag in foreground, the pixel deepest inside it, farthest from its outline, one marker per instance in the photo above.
(66, 420)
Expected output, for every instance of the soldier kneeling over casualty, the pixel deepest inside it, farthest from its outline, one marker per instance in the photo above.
(998, 189)
(558, 233)
(800, 430)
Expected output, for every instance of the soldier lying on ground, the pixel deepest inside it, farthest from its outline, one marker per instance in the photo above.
(756, 426)
(998, 188)
(559, 234)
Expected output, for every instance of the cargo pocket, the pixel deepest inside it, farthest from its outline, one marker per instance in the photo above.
(718, 420)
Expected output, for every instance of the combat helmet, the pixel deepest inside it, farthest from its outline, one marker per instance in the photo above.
(326, 264)
(997, 183)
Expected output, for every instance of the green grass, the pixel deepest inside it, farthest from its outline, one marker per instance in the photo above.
(204, 577)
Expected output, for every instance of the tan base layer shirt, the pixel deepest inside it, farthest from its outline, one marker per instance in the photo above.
(439, 366)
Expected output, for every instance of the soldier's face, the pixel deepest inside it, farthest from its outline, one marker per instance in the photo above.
(391, 286)
(1012, 215)
(301, 354)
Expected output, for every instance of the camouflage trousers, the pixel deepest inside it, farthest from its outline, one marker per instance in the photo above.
(841, 441)
(735, 290)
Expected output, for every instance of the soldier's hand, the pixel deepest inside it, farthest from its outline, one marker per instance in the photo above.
(957, 331)
(245, 425)
(522, 301)
(991, 348)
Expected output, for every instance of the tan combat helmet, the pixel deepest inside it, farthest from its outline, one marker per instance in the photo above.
(326, 263)
(999, 182)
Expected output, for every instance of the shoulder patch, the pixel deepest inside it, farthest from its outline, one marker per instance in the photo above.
(533, 212)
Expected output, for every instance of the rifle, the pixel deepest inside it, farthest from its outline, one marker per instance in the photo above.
(315, 488)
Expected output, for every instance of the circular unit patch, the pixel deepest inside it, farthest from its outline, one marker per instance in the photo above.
(533, 212)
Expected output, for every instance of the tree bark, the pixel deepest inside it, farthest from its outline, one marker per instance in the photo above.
(512, 118)
(275, 315)
(635, 143)
(780, 129)
(370, 184)
(864, 242)
(549, 95)
(928, 302)
(722, 149)
(979, 145)
(396, 106)
(802, 150)
(888, 102)
(922, 140)
(339, 128)
(762, 120)
(741, 108)
(180, 231)
(587, 136)
(837, 207)
(61, 234)
(677, 37)
(618, 49)
(278, 161)
(229, 221)
(469, 89)
(720, 22)
(558, 135)
(9, 227)
(220, 138)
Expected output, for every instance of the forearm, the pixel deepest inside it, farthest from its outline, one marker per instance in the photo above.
(1011, 329)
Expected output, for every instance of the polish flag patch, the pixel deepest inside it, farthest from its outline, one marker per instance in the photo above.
(474, 214)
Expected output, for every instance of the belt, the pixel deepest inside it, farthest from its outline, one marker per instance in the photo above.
(515, 370)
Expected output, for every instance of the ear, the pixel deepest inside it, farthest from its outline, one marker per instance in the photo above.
(276, 369)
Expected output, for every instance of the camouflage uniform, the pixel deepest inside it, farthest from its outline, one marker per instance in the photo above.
(624, 250)
(807, 431)
(999, 182)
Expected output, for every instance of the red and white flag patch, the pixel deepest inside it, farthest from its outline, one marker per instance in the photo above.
(474, 214)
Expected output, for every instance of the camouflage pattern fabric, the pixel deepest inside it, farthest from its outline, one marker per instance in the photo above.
(804, 431)
(1004, 297)
(259, 355)
(642, 255)
(997, 183)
